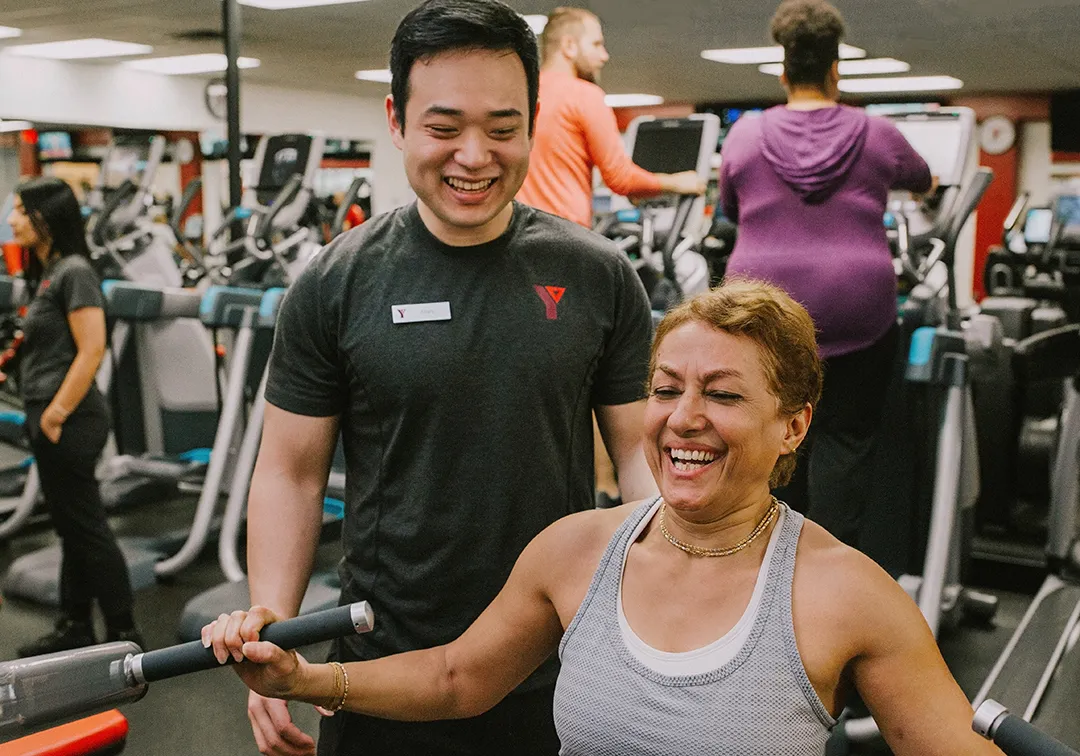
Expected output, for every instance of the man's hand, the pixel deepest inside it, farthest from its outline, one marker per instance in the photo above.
(687, 182)
(275, 733)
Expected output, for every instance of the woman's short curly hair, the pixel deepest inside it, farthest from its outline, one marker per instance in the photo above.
(783, 332)
(810, 32)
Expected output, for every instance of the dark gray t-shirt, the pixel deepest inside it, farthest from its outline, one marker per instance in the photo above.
(464, 437)
(49, 349)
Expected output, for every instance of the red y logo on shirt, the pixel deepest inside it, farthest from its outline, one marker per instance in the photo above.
(551, 296)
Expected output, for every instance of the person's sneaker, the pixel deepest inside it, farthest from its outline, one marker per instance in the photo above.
(68, 634)
(132, 635)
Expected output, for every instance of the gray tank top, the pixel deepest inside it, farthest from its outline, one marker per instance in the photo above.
(760, 703)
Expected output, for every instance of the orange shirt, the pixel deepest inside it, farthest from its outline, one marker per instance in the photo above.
(575, 131)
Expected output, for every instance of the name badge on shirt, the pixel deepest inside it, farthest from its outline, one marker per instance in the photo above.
(420, 313)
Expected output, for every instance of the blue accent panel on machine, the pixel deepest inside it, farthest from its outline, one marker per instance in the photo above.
(922, 346)
(269, 306)
(224, 306)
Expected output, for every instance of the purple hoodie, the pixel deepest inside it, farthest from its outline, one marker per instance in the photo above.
(808, 190)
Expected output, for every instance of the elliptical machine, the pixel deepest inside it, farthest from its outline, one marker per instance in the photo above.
(661, 236)
(125, 242)
(280, 224)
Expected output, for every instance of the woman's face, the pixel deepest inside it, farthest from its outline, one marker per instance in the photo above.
(25, 234)
(713, 430)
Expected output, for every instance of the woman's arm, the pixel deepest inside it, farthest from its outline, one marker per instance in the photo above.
(900, 674)
(87, 326)
(515, 634)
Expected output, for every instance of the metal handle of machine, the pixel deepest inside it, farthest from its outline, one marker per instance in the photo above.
(1013, 218)
(265, 225)
(1014, 735)
(964, 207)
(292, 633)
(351, 195)
(682, 212)
(121, 196)
(193, 189)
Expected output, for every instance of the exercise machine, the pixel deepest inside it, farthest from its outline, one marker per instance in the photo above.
(661, 236)
(324, 588)
(277, 214)
(42, 691)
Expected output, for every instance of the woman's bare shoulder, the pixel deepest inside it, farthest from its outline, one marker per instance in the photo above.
(841, 581)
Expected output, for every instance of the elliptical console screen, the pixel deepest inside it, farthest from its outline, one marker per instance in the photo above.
(1037, 225)
(668, 146)
(286, 154)
(940, 142)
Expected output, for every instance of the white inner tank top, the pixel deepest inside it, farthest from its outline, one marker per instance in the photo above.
(719, 652)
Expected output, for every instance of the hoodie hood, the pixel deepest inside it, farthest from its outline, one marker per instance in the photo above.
(813, 150)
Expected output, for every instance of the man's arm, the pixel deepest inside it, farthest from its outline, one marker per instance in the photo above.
(619, 172)
(621, 426)
(285, 506)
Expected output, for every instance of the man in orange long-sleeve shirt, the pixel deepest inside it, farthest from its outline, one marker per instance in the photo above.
(576, 130)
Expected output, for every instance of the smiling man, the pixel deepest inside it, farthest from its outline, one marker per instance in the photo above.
(459, 345)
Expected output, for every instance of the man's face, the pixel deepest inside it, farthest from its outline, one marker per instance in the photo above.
(591, 53)
(465, 141)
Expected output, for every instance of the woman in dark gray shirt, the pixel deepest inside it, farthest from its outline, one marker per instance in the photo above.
(67, 420)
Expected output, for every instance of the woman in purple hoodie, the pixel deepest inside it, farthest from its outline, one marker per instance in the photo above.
(807, 183)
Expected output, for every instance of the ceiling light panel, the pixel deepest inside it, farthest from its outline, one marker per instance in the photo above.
(901, 84)
(632, 100)
(9, 32)
(773, 54)
(78, 49)
(381, 75)
(867, 67)
(289, 4)
(190, 64)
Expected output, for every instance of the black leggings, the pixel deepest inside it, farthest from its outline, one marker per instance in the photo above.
(835, 474)
(521, 725)
(91, 563)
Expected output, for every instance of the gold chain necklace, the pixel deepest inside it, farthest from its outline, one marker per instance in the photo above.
(770, 514)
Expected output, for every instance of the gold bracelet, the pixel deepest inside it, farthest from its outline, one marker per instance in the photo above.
(341, 687)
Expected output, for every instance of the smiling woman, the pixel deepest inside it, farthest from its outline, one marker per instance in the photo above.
(711, 619)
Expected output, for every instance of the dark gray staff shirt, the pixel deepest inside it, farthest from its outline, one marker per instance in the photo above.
(49, 349)
(464, 378)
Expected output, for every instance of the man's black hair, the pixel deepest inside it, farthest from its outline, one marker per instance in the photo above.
(441, 26)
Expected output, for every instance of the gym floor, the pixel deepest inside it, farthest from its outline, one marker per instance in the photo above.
(198, 714)
(205, 713)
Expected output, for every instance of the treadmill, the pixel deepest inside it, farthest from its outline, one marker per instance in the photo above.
(35, 576)
(324, 588)
(1037, 676)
